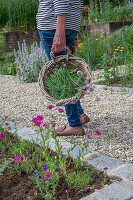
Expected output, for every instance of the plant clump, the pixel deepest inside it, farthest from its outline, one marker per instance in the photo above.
(65, 81)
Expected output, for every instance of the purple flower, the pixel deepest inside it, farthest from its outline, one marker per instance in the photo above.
(60, 110)
(57, 169)
(9, 128)
(6, 116)
(44, 167)
(7, 124)
(50, 107)
(106, 168)
(98, 132)
(1, 135)
(35, 174)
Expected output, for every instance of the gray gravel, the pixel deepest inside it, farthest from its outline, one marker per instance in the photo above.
(112, 115)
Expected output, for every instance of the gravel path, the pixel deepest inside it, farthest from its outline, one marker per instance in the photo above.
(112, 115)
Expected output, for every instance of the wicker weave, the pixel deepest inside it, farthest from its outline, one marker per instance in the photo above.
(73, 61)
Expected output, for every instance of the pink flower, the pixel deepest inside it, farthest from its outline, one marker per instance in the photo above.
(60, 110)
(47, 175)
(53, 124)
(9, 128)
(89, 136)
(98, 132)
(6, 116)
(50, 107)
(17, 158)
(7, 124)
(37, 121)
(39, 117)
(94, 1)
(44, 124)
(1, 135)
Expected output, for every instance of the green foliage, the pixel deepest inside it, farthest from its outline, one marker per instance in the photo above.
(3, 167)
(3, 13)
(107, 52)
(100, 48)
(7, 64)
(105, 12)
(21, 147)
(44, 168)
(78, 179)
(64, 82)
(2, 44)
(114, 2)
(20, 14)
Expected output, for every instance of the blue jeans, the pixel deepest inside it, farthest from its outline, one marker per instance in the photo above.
(73, 111)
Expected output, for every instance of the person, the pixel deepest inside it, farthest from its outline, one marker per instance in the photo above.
(58, 23)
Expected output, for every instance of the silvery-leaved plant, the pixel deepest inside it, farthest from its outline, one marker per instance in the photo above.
(29, 63)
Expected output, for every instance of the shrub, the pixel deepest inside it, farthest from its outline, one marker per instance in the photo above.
(2, 44)
(115, 48)
(29, 62)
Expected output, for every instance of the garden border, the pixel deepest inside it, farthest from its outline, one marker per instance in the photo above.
(120, 172)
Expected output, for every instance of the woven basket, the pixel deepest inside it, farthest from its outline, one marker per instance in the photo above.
(73, 61)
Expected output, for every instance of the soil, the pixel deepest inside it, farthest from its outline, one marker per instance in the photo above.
(14, 187)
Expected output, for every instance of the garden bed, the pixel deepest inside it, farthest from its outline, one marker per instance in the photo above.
(124, 81)
(22, 186)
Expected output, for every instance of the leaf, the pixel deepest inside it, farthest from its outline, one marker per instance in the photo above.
(3, 167)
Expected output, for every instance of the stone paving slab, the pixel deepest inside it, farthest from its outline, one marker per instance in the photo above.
(115, 191)
(124, 171)
(103, 161)
(122, 89)
(127, 183)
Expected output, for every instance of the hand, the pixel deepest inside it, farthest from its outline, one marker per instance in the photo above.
(59, 41)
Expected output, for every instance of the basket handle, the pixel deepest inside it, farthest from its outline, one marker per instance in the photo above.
(67, 55)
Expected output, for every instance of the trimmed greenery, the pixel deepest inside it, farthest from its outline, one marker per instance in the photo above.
(64, 82)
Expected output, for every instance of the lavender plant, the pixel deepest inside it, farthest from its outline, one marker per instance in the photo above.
(29, 62)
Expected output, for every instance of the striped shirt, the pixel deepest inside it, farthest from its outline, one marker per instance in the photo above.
(48, 10)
